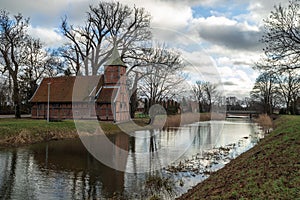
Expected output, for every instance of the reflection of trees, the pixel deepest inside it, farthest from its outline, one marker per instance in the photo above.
(203, 137)
(67, 164)
(133, 157)
(156, 185)
(154, 158)
(90, 179)
(153, 142)
(147, 149)
(9, 173)
(132, 144)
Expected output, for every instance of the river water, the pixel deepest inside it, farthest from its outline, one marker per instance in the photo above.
(66, 170)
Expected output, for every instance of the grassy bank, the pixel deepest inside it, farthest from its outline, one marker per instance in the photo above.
(270, 170)
(16, 132)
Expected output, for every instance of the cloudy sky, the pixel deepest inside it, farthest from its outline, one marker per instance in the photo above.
(215, 36)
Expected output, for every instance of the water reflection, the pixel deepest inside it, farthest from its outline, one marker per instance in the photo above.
(8, 166)
(57, 170)
(66, 170)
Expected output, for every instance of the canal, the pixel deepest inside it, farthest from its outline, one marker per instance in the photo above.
(181, 157)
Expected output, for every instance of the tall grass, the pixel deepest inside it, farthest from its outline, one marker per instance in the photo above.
(14, 132)
(188, 118)
(158, 187)
(265, 122)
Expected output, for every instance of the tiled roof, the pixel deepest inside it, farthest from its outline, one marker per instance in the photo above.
(68, 89)
(107, 95)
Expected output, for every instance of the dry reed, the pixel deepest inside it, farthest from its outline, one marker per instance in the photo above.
(265, 122)
(188, 118)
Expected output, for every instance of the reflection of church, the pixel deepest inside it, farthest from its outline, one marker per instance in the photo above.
(90, 178)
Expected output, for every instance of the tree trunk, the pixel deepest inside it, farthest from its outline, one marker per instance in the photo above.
(200, 107)
(16, 99)
(287, 107)
(133, 97)
(293, 108)
(133, 104)
(209, 106)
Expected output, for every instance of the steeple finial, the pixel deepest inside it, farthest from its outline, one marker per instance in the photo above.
(115, 59)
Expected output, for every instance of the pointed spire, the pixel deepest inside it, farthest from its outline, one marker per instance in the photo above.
(115, 59)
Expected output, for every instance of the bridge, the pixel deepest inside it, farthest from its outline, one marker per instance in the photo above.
(241, 113)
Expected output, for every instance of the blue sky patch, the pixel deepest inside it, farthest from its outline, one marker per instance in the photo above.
(229, 9)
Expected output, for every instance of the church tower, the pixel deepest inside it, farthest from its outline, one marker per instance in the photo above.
(114, 70)
(114, 98)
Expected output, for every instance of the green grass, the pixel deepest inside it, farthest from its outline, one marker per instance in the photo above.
(270, 170)
(9, 127)
(14, 132)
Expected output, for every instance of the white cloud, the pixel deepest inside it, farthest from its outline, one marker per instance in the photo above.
(165, 14)
(261, 9)
(49, 36)
(227, 40)
(228, 33)
(215, 21)
(201, 66)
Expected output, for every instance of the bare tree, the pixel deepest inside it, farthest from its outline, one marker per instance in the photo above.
(13, 54)
(71, 59)
(162, 76)
(289, 87)
(280, 64)
(108, 24)
(211, 94)
(199, 93)
(38, 63)
(111, 25)
(282, 38)
(206, 94)
(23, 60)
(142, 63)
(265, 92)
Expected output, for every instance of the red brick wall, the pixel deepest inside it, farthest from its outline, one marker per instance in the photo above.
(112, 74)
(64, 111)
(56, 111)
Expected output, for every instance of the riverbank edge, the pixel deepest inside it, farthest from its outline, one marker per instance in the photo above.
(38, 131)
(270, 170)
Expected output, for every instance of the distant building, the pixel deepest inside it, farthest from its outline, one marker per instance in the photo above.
(104, 97)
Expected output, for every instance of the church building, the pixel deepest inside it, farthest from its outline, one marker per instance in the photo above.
(104, 97)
